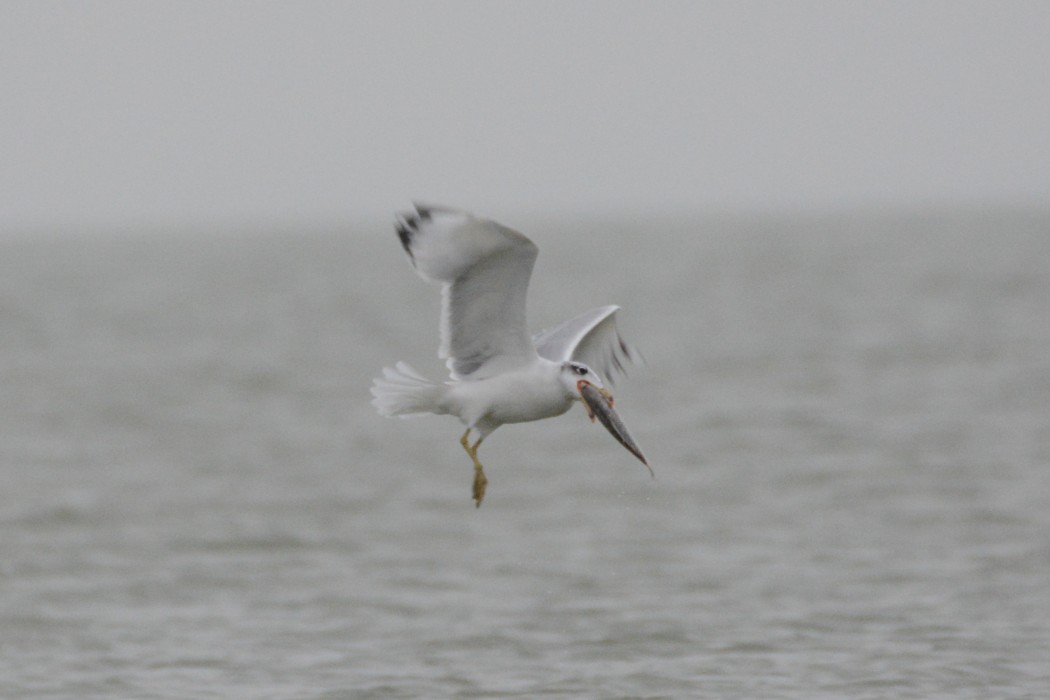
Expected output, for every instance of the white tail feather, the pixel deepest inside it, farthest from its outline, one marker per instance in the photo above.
(402, 391)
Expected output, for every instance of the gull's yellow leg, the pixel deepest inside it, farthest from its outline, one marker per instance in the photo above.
(480, 482)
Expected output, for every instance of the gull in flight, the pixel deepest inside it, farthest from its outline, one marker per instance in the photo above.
(498, 373)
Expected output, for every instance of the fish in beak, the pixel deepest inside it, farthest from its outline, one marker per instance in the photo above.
(599, 404)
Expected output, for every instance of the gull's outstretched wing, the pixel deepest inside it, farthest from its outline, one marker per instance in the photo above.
(590, 338)
(484, 269)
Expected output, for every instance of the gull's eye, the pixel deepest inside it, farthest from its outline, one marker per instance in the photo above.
(582, 371)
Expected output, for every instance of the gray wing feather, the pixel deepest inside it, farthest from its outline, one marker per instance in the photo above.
(484, 269)
(483, 315)
(591, 338)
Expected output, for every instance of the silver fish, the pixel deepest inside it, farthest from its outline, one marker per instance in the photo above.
(599, 404)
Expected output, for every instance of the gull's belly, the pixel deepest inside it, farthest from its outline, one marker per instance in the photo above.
(515, 397)
(528, 406)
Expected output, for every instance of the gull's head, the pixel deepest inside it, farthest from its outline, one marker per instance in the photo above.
(575, 375)
(584, 383)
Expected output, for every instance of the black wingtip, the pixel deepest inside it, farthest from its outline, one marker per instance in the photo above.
(407, 226)
(406, 239)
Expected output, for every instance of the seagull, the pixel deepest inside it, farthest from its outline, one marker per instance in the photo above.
(498, 373)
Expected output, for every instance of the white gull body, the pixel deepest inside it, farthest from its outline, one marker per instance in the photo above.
(498, 372)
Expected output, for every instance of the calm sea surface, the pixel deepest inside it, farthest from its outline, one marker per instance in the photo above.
(849, 419)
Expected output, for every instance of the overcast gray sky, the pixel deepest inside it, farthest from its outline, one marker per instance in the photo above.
(306, 112)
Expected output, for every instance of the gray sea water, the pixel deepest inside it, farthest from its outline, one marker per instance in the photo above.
(849, 419)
